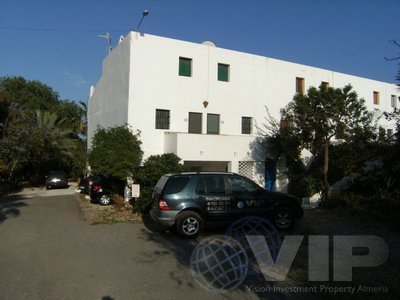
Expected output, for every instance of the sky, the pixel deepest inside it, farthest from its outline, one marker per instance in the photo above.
(57, 42)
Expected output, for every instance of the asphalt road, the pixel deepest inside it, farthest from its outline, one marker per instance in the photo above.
(47, 251)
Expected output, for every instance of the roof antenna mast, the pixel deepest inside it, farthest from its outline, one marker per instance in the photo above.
(145, 13)
(107, 36)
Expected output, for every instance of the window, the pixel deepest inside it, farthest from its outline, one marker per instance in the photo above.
(211, 184)
(246, 125)
(393, 101)
(176, 184)
(242, 186)
(195, 120)
(299, 85)
(162, 119)
(212, 124)
(223, 72)
(324, 85)
(185, 66)
(376, 98)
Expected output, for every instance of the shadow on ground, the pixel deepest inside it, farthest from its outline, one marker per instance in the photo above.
(315, 222)
(10, 207)
(182, 249)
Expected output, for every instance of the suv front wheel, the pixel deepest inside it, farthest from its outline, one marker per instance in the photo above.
(189, 224)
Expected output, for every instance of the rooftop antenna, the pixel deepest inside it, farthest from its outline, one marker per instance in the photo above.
(145, 13)
(107, 36)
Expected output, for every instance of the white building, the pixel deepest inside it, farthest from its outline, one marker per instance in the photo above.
(203, 103)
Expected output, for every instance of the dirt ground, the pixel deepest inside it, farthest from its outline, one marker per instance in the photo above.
(97, 214)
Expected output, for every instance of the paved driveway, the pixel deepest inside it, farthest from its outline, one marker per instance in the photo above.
(47, 251)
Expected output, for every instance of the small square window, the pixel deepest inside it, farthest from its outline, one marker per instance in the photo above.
(393, 101)
(162, 119)
(185, 66)
(299, 85)
(212, 124)
(376, 98)
(246, 125)
(223, 72)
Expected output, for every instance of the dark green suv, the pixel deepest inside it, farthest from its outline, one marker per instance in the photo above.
(189, 201)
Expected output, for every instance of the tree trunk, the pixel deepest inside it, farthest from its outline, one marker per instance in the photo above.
(12, 169)
(325, 167)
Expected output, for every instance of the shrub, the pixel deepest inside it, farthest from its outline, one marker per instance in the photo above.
(143, 203)
(151, 171)
(301, 185)
(115, 151)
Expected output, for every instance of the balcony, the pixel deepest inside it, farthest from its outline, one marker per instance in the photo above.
(207, 147)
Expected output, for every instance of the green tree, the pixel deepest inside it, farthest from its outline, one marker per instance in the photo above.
(28, 95)
(281, 143)
(38, 131)
(116, 152)
(326, 113)
(153, 168)
(156, 166)
(34, 144)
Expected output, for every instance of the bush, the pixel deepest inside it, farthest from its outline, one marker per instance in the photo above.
(156, 166)
(115, 151)
(303, 185)
(381, 203)
(143, 203)
(151, 171)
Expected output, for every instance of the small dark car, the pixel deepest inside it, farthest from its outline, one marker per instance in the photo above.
(103, 188)
(189, 201)
(86, 184)
(56, 179)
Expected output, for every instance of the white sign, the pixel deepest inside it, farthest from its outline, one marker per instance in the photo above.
(135, 190)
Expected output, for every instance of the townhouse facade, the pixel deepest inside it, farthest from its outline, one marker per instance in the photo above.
(205, 103)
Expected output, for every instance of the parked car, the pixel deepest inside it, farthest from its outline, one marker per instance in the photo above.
(56, 179)
(104, 187)
(189, 201)
(86, 184)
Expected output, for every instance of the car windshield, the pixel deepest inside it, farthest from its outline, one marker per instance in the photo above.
(56, 174)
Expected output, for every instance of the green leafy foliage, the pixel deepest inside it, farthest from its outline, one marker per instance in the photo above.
(37, 132)
(322, 114)
(151, 171)
(116, 152)
(156, 166)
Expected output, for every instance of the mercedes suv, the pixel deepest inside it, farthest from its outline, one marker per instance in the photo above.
(189, 201)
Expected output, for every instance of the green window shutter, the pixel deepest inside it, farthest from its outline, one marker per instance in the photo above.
(223, 72)
(212, 124)
(185, 67)
(246, 125)
(195, 122)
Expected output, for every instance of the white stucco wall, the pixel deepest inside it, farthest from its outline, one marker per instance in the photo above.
(108, 104)
(141, 75)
